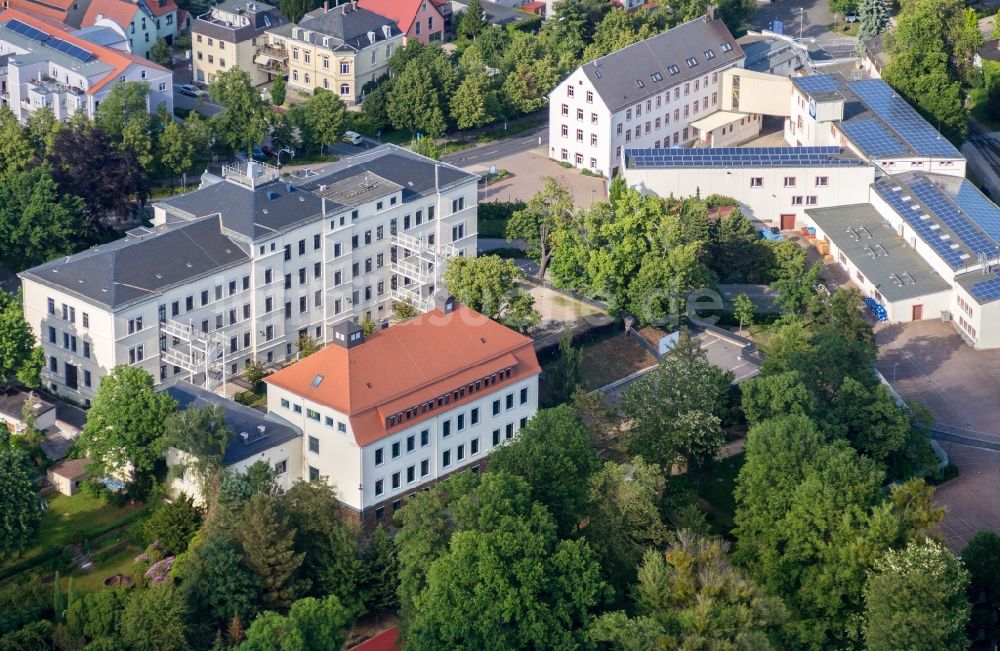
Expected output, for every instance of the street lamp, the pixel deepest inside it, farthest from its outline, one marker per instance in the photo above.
(801, 12)
(894, 366)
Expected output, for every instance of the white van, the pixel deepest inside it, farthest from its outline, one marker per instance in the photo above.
(353, 138)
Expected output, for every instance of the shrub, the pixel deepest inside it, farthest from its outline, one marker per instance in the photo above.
(246, 398)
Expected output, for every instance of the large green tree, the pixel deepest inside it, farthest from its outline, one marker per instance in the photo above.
(311, 623)
(915, 599)
(245, 118)
(173, 524)
(415, 103)
(21, 358)
(268, 543)
(488, 284)
(216, 583)
(553, 454)
(874, 20)
(203, 434)
(541, 218)
(126, 423)
(624, 518)
(691, 597)
(380, 576)
(154, 620)
(124, 116)
(541, 592)
(20, 514)
(322, 119)
(919, 65)
(675, 409)
(475, 102)
(37, 221)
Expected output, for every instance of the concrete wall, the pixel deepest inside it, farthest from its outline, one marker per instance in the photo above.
(844, 186)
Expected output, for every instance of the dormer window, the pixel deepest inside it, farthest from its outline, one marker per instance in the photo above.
(691, 61)
(672, 69)
(638, 82)
(726, 47)
(656, 76)
(709, 54)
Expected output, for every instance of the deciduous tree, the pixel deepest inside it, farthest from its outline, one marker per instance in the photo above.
(217, 583)
(173, 524)
(278, 90)
(37, 221)
(415, 103)
(691, 597)
(488, 285)
(244, 119)
(154, 620)
(474, 103)
(553, 454)
(538, 222)
(915, 599)
(126, 423)
(19, 511)
(323, 117)
(380, 574)
(21, 358)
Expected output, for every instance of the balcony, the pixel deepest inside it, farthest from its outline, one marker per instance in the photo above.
(272, 59)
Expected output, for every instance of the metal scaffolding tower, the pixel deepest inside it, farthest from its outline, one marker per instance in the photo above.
(422, 265)
(194, 351)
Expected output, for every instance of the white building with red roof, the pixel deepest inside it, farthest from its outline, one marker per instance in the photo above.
(142, 22)
(44, 64)
(387, 415)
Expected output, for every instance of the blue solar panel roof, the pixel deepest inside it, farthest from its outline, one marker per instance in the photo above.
(892, 109)
(938, 219)
(816, 83)
(738, 157)
(987, 289)
(873, 138)
(59, 44)
(981, 210)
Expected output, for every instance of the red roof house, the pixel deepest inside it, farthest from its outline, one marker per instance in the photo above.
(420, 20)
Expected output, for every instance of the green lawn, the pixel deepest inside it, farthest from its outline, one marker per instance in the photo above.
(715, 493)
(121, 562)
(978, 98)
(72, 519)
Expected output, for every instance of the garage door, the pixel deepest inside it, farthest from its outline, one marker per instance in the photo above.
(788, 222)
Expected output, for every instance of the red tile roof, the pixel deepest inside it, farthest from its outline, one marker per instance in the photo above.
(387, 640)
(118, 60)
(402, 11)
(117, 11)
(161, 7)
(407, 365)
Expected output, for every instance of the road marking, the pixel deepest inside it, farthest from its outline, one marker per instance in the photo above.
(530, 141)
(487, 153)
(713, 341)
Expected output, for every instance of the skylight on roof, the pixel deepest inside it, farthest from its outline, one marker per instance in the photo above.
(691, 61)
(656, 76)
(672, 69)
(726, 47)
(638, 82)
(316, 381)
(709, 54)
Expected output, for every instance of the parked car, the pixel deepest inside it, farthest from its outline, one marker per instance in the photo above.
(269, 151)
(191, 90)
(353, 138)
(258, 153)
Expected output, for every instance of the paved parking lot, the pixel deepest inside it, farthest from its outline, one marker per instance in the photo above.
(972, 498)
(927, 362)
(726, 355)
(528, 170)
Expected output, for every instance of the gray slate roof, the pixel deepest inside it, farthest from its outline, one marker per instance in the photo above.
(413, 173)
(262, 17)
(136, 268)
(350, 30)
(239, 418)
(875, 233)
(252, 214)
(616, 75)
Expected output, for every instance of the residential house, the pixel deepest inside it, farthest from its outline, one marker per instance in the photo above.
(44, 64)
(143, 22)
(419, 20)
(255, 437)
(67, 12)
(643, 96)
(390, 414)
(339, 49)
(228, 37)
(242, 267)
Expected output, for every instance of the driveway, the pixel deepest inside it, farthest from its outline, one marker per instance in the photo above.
(809, 20)
(202, 105)
(928, 362)
(972, 498)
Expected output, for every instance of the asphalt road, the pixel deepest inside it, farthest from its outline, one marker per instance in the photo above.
(485, 154)
(809, 19)
(200, 104)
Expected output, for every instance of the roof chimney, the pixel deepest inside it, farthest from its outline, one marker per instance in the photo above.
(354, 5)
(326, 6)
(713, 13)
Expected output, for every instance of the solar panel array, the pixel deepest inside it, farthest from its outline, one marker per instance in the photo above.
(873, 138)
(816, 83)
(981, 210)
(59, 44)
(928, 230)
(951, 216)
(895, 111)
(987, 290)
(738, 157)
